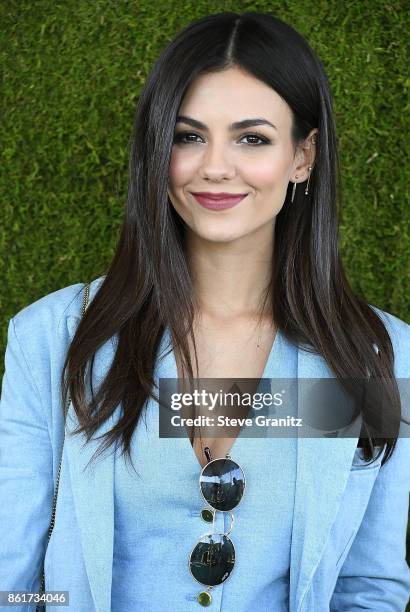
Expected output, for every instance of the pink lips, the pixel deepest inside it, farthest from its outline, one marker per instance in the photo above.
(218, 201)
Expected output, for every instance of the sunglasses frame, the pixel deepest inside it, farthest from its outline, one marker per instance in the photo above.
(211, 586)
(214, 510)
(244, 483)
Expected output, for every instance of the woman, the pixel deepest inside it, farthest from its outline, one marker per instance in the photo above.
(227, 267)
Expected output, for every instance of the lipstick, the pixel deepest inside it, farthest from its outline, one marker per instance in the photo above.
(218, 201)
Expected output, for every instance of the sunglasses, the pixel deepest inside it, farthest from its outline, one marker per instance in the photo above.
(222, 484)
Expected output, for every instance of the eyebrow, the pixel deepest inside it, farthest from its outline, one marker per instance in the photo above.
(237, 125)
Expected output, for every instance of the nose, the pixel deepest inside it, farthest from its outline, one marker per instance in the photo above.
(216, 164)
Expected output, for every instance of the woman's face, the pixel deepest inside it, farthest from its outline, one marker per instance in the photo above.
(258, 160)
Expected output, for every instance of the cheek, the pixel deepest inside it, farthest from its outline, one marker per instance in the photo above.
(268, 172)
(181, 169)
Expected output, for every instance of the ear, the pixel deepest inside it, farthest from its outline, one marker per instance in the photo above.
(304, 157)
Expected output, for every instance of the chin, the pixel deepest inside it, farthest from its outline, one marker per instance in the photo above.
(215, 234)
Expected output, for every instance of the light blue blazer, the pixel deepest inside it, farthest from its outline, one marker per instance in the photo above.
(350, 519)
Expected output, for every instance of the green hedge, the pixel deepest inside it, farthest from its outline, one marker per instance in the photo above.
(72, 72)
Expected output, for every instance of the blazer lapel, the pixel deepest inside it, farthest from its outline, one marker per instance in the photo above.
(323, 466)
(93, 490)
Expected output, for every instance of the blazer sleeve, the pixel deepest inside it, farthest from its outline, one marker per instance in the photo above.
(26, 479)
(375, 574)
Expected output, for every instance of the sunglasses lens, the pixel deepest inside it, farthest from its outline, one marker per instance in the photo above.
(222, 483)
(212, 559)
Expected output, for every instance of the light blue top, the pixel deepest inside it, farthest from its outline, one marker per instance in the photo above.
(157, 520)
(348, 527)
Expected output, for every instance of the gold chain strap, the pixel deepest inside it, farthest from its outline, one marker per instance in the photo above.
(41, 608)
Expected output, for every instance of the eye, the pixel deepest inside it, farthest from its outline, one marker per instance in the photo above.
(180, 137)
(259, 137)
(184, 138)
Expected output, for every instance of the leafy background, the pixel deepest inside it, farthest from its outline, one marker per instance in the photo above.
(72, 73)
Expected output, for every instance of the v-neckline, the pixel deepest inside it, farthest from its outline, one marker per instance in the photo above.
(184, 441)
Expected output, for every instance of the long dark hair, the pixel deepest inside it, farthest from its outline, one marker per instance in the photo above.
(148, 285)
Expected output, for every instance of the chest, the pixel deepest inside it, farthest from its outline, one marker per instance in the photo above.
(227, 353)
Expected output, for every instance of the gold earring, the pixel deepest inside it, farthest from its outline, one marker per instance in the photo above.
(294, 189)
(307, 186)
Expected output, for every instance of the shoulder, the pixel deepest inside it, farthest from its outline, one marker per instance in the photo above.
(399, 332)
(51, 310)
(37, 340)
(39, 335)
(42, 331)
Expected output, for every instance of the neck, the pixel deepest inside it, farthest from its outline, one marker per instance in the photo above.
(231, 279)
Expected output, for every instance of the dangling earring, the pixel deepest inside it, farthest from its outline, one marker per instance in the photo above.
(294, 188)
(307, 186)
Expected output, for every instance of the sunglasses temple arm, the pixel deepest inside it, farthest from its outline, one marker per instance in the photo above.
(231, 526)
(208, 454)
